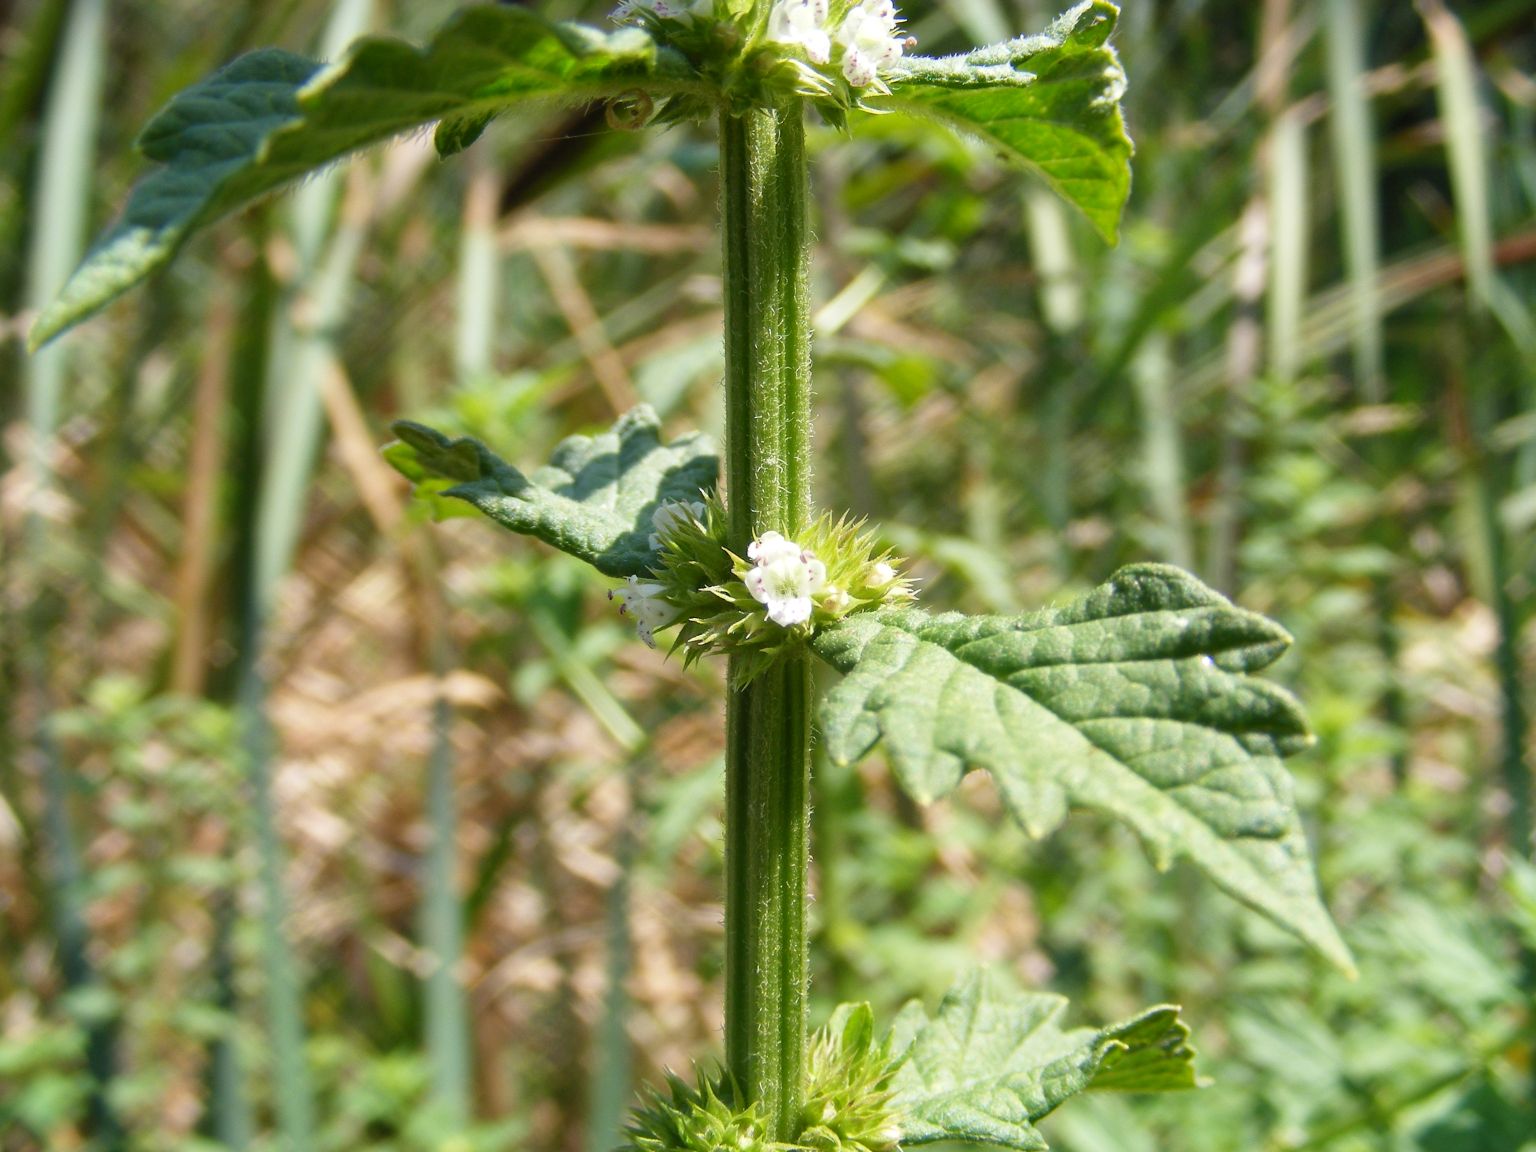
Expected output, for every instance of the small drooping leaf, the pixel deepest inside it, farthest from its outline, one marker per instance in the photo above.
(1131, 701)
(594, 499)
(989, 1066)
(1050, 102)
(271, 117)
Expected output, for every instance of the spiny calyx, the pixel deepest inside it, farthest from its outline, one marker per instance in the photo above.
(848, 1101)
(758, 606)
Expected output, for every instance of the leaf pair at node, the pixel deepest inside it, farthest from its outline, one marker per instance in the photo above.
(1136, 700)
(985, 1069)
(1047, 102)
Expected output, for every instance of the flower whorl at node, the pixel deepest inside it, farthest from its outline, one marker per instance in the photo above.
(760, 50)
(848, 1102)
(848, 1095)
(761, 606)
(696, 1119)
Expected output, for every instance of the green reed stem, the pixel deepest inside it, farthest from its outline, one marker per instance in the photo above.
(58, 238)
(767, 466)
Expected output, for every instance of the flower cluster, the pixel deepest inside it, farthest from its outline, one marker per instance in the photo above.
(861, 38)
(702, 1118)
(646, 602)
(865, 36)
(760, 606)
(816, 582)
(849, 1103)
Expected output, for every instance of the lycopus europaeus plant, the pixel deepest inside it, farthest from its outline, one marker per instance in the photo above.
(1136, 700)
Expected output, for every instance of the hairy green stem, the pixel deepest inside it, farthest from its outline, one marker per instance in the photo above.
(768, 731)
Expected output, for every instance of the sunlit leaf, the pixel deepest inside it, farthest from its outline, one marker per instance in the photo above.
(271, 117)
(595, 497)
(1050, 102)
(1131, 701)
(990, 1065)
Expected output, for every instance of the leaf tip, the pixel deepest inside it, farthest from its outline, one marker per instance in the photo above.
(40, 335)
(1338, 954)
(456, 133)
(65, 312)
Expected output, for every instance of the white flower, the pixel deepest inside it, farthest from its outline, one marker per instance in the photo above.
(671, 516)
(884, 573)
(644, 604)
(869, 40)
(802, 22)
(784, 578)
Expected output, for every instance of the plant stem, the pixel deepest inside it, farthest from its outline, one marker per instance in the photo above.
(767, 466)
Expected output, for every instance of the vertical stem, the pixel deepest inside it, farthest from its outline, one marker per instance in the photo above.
(284, 991)
(442, 914)
(767, 356)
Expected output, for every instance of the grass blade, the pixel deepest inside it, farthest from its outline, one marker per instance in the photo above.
(1354, 162)
(1287, 244)
(62, 199)
(1456, 88)
(1161, 448)
(58, 238)
(479, 262)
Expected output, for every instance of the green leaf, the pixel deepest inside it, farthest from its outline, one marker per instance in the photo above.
(271, 117)
(990, 1065)
(1050, 102)
(1131, 701)
(595, 497)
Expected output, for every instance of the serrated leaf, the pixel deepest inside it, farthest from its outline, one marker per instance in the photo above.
(989, 1066)
(594, 499)
(271, 116)
(1130, 701)
(1050, 102)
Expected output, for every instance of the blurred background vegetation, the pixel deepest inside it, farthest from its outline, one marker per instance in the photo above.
(325, 827)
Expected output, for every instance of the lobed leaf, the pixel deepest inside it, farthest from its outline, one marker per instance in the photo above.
(595, 497)
(989, 1066)
(1050, 102)
(271, 117)
(1131, 701)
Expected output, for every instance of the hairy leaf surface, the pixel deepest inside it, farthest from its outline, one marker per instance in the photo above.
(1050, 102)
(989, 1065)
(271, 117)
(1132, 701)
(595, 497)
